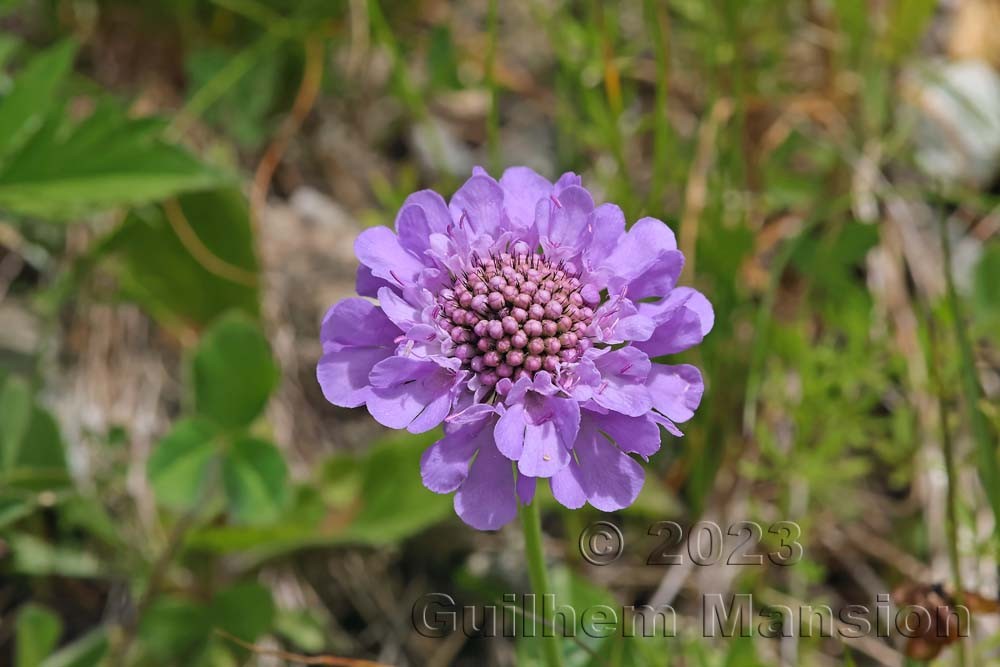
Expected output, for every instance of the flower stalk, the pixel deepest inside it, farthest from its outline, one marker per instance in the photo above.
(531, 524)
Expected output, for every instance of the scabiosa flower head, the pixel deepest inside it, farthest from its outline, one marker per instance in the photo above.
(526, 320)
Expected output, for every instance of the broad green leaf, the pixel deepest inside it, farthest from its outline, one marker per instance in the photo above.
(180, 464)
(107, 160)
(176, 630)
(25, 108)
(395, 503)
(87, 651)
(36, 634)
(173, 628)
(246, 611)
(234, 373)
(42, 448)
(32, 454)
(301, 524)
(218, 652)
(255, 478)
(390, 504)
(192, 280)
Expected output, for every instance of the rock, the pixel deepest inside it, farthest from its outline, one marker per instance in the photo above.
(957, 110)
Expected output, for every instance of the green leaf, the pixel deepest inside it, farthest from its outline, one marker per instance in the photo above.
(233, 372)
(175, 285)
(7, 6)
(13, 509)
(254, 475)
(24, 109)
(35, 557)
(985, 295)
(176, 630)
(303, 628)
(32, 455)
(299, 526)
(180, 464)
(9, 44)
(742, 653)
(246, 611)
(42, 448)
(241, 111)
(86, 651)
(15, 416)
(173, 628)
(217, 653)
(580, 594)
(36, 634)
(395, 503)
(907, 25)
(107, 160)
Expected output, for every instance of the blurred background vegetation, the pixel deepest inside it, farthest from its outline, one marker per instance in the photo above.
(180, 186)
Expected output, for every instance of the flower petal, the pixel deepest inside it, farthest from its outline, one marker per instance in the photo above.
(676, 390)
(569, 179)
(402, 313)
(479, 202)
(611, 478)
(545, 452)
(366, 284)
(680, 333)
(658, 279)
(445, 464)
(567, 487)
(522, 189)
(683, 320)
(564, 230)
(410, 393)
(486, 500)
(638, 250)
(380, 250)
(343, 372)
(604, 229)
(623, 389)
(413, 229)
(509, 432)
(434, 208)
(634, 435)
(525, 488)
(357, 322)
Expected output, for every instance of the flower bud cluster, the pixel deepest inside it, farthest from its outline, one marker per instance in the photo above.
(513, 314)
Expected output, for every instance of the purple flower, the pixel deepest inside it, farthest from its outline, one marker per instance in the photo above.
(525, 319)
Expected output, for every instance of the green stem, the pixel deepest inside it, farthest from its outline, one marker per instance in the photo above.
(532, 524)
(948, 450)
(986, 448)
(493, 117)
